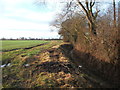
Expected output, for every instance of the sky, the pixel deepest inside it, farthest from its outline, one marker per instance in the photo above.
(27, 18)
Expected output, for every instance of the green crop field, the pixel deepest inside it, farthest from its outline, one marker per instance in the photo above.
(15, 44)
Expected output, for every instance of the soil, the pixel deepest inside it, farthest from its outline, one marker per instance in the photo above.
(53, 68)
(56, 60)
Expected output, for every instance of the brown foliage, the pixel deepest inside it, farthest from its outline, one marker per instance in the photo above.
(100, 52)
(103, 47)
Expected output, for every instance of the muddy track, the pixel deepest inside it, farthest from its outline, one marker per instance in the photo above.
(56, 61)
(25, 48)
(82, 77)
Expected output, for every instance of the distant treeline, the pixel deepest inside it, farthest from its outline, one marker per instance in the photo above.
(23, 38)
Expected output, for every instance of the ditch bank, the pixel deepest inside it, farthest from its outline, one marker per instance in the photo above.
(105, 73)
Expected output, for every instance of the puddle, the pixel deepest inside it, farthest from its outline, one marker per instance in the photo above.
(27, 65)
(8, 64)
(79, 66)
(4, 65)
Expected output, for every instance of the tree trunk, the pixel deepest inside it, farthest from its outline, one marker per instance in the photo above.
(118, 40)
(92, 28)
(114, 8)
(91, 17)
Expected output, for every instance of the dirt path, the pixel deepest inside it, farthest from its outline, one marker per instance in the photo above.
(66, 73)
(49, 68)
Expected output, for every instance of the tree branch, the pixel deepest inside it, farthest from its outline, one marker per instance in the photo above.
(82, 6)
(96, 14)
(87, 5)
(93, 3)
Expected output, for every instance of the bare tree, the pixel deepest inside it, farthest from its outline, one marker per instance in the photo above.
(118, 41)
(90, 15)
(114, 8)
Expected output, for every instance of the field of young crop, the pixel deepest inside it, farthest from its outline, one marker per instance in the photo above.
(17, 44)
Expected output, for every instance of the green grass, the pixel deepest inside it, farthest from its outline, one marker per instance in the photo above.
(10, 55)
(21, 76)
(14, 44)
